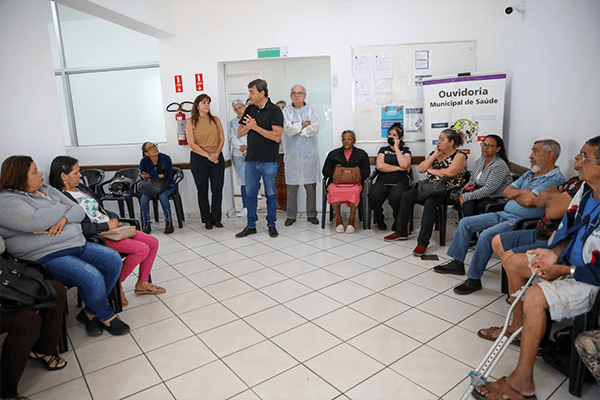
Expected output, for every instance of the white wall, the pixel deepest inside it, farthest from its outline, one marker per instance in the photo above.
(29, 113)
(550, 53)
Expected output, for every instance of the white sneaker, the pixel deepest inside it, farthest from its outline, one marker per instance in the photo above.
(242, 213)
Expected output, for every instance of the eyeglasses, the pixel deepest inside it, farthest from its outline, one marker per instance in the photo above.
(585, 158)
(151, 147)
(487, 145)
(297, 93)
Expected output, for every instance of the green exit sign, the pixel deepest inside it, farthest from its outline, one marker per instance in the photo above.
(272, 52)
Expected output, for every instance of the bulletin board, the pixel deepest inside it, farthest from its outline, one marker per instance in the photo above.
(387, 87)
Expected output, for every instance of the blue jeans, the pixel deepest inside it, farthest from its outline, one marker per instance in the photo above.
(244, 197)
(93, 268)
(268, 171)
(163, 198)
(489, 225)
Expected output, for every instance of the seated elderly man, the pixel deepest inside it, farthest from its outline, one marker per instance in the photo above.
(522, 194)
(572, 256)
(555, 200)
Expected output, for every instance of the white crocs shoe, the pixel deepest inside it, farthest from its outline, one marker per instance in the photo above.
(339, 228)
(350, 229)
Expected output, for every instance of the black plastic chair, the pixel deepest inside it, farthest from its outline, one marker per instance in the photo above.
(362, 207)
(92, 178)
(122, 199)
(175, 197)
(442, 214)
(369, 183)
(577, 370)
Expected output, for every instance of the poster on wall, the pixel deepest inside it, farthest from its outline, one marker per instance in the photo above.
(473, 105)
(389, 116)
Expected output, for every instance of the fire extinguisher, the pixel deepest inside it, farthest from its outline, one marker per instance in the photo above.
(180, 120)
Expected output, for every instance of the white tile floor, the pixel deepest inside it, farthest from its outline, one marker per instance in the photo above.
(311, 314)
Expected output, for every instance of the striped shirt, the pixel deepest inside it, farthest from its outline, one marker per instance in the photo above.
(489, 181)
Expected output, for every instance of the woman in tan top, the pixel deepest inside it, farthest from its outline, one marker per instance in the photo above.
(204, 134)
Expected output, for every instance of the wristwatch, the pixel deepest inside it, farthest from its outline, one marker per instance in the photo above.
(572, 272)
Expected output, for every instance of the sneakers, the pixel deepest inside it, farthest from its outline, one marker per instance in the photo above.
(393, 237)
(453, 267)
(242, 213)
(419, 250)
(469, 286)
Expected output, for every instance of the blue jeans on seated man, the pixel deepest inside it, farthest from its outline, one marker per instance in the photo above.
(522, 240)
(93, 268)
(489, 225)
(163, 198)
(268, 171)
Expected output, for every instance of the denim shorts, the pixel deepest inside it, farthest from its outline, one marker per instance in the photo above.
(522, 240)
(568, 298)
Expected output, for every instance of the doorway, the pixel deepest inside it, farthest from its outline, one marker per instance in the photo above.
(314, 73)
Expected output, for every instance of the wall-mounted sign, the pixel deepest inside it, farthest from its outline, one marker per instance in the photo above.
(178, 84)
(273, 52)
(199, 83)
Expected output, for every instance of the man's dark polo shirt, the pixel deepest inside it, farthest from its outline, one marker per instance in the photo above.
(259, 147)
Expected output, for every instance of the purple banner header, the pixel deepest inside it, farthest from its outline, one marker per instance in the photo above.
(465, 79)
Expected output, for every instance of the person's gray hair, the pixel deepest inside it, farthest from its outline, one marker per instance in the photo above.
(303, 88)
(350, 132)
(237, 101)
(550, 145)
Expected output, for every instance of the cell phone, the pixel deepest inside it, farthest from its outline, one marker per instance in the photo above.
(430, 257)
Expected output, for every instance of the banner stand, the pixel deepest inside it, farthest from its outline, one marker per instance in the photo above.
(473, 105)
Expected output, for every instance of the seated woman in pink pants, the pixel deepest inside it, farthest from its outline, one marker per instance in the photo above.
(140, 249)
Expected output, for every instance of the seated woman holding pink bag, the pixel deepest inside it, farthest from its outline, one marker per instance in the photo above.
(141, 248)
(346, 157)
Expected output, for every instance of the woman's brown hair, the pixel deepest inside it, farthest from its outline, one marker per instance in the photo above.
(14, 173)
(196, 113)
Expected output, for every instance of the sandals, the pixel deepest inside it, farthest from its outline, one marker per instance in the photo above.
(52, 364)
(500, 390)
(150, 288)
(124, 301)
(488, 334)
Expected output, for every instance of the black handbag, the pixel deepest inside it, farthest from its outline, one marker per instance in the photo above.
(23, 286)
(429, 189)
(153, 186)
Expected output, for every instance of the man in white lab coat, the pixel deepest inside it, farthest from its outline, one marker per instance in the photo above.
(300, 144)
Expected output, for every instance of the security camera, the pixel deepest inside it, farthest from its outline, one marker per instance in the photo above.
(520, 8)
